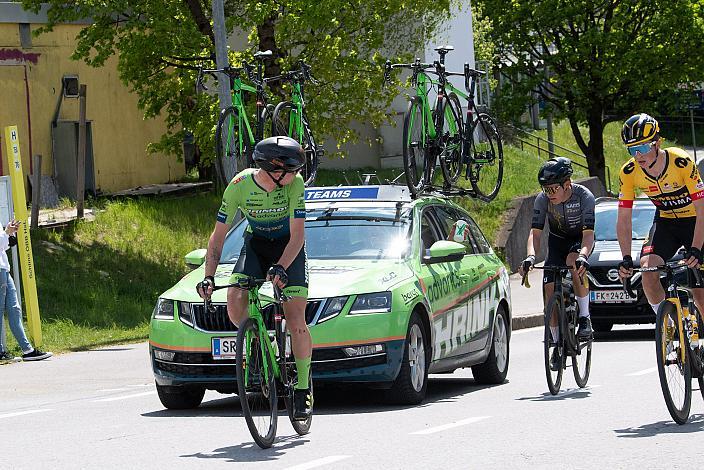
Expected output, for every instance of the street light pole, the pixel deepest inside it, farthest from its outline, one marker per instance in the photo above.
(221, 60)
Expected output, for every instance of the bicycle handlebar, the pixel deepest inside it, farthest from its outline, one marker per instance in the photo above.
(247, 283)
(668, 266)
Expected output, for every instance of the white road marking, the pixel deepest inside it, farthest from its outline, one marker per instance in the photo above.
(125, 397)
(319, 462)
(451, 425)
(642, 372)
(20, 413)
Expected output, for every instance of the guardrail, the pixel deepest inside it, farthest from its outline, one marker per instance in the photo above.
(545, 147)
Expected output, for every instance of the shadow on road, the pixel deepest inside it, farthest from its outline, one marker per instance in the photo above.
(334, 399)
(568, 394)
(695, 424)
(636, 334)
(250, 452)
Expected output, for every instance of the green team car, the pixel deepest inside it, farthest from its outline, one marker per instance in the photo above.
(399, 288)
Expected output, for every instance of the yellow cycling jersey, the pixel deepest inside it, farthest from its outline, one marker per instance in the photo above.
(672, 193)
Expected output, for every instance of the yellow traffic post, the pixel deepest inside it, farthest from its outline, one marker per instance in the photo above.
(24, 242)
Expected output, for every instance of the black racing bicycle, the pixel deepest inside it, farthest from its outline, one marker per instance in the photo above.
(265, 365)
(679, 330)
(562, 310)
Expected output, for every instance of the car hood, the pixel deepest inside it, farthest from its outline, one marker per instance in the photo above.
(608, 253)
(327, 278)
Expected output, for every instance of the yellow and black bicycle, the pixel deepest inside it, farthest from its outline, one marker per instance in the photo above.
(679, 330)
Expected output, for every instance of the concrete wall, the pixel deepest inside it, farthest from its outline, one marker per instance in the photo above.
(513, 234)
(30, 87)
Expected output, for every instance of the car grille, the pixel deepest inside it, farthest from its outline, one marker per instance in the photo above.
(600, 275)
(218, 321)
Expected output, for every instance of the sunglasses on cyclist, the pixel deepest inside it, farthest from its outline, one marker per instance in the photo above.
(640, 149)
(550, 190)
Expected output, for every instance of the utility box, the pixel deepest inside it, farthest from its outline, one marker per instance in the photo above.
(66, 159)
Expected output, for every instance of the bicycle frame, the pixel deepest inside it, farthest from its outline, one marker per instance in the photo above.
(267, 348)
(295, 123)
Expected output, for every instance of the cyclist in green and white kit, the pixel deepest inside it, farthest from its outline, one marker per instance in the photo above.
(272, 199)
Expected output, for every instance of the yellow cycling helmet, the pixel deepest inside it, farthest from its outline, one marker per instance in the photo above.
(639, 129)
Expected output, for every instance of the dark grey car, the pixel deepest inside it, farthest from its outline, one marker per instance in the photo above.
(608, 303)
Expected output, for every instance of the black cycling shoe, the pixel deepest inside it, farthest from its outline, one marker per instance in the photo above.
(555, 360)
(585, 328)
(302, 404)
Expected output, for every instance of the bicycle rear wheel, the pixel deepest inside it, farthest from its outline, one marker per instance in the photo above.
(301, 427)
(485, 157)
(554, 345)
(285, 122)
(675, 376)
(582, 363)
(232, 145)
(256, 389)
(415, 150)
(451, 143)
(697, 353)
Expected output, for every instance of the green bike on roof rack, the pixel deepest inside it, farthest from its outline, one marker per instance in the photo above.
(472, 147)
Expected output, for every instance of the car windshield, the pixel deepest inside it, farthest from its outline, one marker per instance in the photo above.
(605, 222)
(343, 233)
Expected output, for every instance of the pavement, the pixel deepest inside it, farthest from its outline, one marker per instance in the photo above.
(527, 303)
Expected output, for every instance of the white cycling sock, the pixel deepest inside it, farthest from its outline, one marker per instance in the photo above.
(583, 303)
(555, 333)
(656, 307)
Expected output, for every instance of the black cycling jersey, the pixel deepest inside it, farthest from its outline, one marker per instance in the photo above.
(568, 219)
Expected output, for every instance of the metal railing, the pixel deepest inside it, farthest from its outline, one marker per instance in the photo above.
(544, 145)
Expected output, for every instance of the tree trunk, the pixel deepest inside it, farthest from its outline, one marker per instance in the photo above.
(595, 155)
(266, 31)
(201, 19)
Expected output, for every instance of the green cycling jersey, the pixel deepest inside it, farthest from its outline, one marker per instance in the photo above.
(268, 213)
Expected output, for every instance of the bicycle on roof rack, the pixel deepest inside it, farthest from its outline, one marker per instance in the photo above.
(472, 147)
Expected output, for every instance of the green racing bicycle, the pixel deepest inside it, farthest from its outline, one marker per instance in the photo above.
(265, 365)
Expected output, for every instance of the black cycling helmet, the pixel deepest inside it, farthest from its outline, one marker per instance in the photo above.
(639, 129)
(555, 171)
(288, 153)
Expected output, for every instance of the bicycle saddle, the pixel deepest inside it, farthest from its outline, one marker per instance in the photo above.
(444, 49)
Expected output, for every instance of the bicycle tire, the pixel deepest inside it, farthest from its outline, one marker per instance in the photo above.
(667, 351)
(415, 148)
(554, 378)
(302, 427)
(452, 145)
(227, 136)
(284, 125)
(257, 395)
(697, 352)
(485, 157)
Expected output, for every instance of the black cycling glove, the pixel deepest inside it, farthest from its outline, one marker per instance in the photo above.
(278, 270)
(582, 261)
(695, 252)
(208, 281)
(627, 263)
(528, 263)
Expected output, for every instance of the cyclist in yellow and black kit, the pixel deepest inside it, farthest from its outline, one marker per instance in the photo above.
(671, 180)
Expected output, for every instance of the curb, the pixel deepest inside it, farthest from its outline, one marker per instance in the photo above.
(527, 321)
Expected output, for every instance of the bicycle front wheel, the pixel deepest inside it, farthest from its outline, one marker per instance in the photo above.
(485, 163)
(451, 144)
(415, 151)
(286, 121)
(256, 385)
(232, 145)
(675, 374)
(553, 345)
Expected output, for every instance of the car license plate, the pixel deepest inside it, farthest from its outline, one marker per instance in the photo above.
(224, 348)
(610, 296)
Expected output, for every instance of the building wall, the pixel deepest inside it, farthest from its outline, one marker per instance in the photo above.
(120, 133)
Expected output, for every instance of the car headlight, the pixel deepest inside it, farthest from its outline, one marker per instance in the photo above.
(164, 309)
(185, 313)
(333, 307)
(378, 302)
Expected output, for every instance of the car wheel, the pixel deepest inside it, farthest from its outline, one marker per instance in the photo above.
(495, 368)
(602, 326)
(412, 382)
(180, 398)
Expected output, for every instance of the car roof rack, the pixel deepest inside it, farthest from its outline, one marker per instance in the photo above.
(452, 192)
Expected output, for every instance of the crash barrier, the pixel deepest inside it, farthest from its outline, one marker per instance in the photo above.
(513, 234)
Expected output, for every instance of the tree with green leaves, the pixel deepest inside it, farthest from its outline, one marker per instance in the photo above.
(606, 59)
(340, 39)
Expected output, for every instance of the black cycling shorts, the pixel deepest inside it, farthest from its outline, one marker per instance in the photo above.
(259, 254)
(558, 249)
(666, 236)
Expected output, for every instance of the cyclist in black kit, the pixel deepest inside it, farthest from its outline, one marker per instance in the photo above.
(569, 208)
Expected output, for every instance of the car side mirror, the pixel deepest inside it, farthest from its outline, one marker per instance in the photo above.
(444, 251)
(195, 258)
